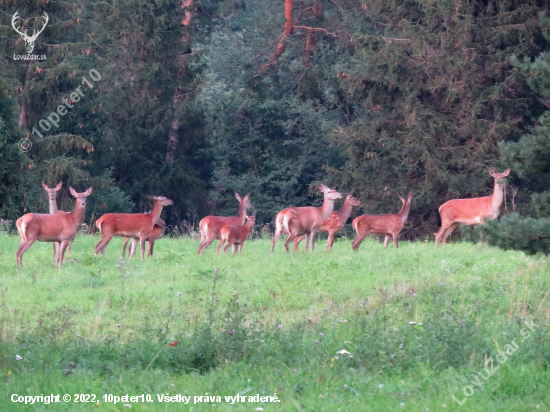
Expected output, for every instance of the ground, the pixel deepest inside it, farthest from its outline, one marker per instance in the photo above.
(378, 329)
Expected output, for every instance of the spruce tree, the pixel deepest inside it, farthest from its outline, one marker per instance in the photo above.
(529, 157)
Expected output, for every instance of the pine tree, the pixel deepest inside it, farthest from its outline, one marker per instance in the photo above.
(529, 157)
(431, 93)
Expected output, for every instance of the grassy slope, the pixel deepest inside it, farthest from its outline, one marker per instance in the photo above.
(112, 322)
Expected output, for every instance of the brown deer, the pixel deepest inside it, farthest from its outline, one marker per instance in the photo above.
(52, 193)
(391, 224)
(59, 227)
(298, 221)
(133, 225)
(157, 233)
(235, 235)
(471, 211)
(210, 226)
(335, 222)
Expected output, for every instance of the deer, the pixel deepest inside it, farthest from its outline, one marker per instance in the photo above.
(235, 235)
(132, 225)
(471, 211)
(304, 221)
(59, 227)
(52, 193)
(387, 225)
(157, 233)
(335, 222)
(29, 40)
(210, 226)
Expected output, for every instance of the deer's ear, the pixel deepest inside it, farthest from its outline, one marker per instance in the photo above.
(44, 186)
(492, 171)
(506, 172)
(323, 188)
(73, 192)
(88, 192)
(247, 196)
(58, 187)
(238, 196)
(401, 197)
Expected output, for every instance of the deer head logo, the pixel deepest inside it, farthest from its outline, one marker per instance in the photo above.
(29, 40)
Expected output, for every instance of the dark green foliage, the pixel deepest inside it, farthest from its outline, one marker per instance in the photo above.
(530, 158)
(433, 92)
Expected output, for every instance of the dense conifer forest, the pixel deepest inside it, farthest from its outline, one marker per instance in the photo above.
(196, 100)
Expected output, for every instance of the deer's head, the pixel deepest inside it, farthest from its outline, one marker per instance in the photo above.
(330, 193)
(81, 197)
(498, 176)
(244, 201)
(29, 40)
(51, 192)
(353, 201)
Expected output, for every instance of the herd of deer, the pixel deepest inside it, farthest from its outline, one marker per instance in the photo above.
(297, 222)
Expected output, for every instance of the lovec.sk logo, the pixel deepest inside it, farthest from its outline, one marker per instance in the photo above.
(29, 40)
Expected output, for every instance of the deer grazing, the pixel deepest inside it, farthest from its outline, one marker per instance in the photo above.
(235, 235)
(59, 227)
(29, 40)
(157, 233)
(335, 222)
(391, 224)
(210, 226)
(471, 211)
(304, 221)
(52, 193)
(132, 225)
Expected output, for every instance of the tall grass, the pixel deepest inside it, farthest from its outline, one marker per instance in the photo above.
(418, 324)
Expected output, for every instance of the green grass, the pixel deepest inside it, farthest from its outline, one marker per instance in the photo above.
(273, 324)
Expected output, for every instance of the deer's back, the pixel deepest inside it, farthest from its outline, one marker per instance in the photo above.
(468, 211)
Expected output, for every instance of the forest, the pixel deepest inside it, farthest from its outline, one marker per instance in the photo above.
(196, 100)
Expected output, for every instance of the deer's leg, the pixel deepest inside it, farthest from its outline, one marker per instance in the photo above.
(358, 240)
(306, 245)
(226, 248)
(278, 230)
(102, 245)
(386, 240)
(448, 232)
(199, 250)
(124, 247)
(142, 245)
(439, 235)
(132, 248)
(312, 237)
(297, 242)
(55, 249)
(150, 249)
(241, 247)
(234, 248)
(69, 248)
(61, 253)
(330, 240)
(23, 247)
(207, 242)
(395, 237)
(220, 246)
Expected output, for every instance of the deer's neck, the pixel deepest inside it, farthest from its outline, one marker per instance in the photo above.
(328, 206)
(53, 206)
(157, 210)
(242, 213)
(404, 212)
(78, 214)
(346, 211)
(498, 196)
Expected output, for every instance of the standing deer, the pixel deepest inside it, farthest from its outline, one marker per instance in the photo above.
(59, 227)
(29, 40)
(133, 225)
(157, 233)
(471, 211)
(298, 221)
(391, 224)
(335, 222)
(52, 193)
(210, 226)
(235, 235)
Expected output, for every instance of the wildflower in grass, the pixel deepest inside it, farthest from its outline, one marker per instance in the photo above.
(320, 334)
(315, 341)
(280, 326)
(401, 404)
(381, 385)
(17, 357)
(174, 344)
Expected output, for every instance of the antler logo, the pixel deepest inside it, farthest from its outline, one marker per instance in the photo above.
(29, 40)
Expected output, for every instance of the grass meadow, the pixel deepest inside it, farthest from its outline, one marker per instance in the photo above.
(417, 326)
